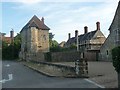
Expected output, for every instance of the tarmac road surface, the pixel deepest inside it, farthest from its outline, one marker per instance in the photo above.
(16, 75)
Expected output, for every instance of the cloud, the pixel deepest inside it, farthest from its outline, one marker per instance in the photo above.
(23, 1)
(70, 20)
(36, 1)
(64, 18)
(30, 1)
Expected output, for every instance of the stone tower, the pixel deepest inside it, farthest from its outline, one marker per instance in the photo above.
(35, 38)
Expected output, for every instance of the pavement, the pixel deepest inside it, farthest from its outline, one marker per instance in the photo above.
(102, 73)
(16, 75)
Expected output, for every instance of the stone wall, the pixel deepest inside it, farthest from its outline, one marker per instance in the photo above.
(63, 70)
(113, 39)
(91, 56)
(71, 56)
(68, 56)
(35, 56)
(33, 42)
(105, 51)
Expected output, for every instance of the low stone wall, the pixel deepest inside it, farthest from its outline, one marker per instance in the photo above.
(35, 56)
(68, 56)
(62, 70)
(58, 70)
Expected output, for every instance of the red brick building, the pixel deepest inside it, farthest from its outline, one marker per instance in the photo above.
(8, 40)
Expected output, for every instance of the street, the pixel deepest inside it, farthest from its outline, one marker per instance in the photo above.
(16, 75)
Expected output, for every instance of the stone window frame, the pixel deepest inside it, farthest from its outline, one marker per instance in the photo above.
(117, 35)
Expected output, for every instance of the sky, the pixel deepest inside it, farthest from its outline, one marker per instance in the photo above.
(62, 17)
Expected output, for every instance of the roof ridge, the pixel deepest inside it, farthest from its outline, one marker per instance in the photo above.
(38, 23)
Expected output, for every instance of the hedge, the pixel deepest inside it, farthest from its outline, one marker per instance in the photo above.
(116, 58)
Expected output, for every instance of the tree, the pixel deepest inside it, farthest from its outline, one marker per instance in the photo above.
(116, 61)
(54, 46)
(11, 51)
(73, 47)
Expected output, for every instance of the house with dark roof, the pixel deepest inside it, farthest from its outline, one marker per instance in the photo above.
(35, 38)
(89, 43)
(113, 38)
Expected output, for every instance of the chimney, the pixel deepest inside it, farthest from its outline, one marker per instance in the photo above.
(69, 35)
(76, 33)
(85, 29)
(42, 19)
(98, 25)
(12, 34)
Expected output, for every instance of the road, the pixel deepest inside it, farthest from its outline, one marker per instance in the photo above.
(16, 75)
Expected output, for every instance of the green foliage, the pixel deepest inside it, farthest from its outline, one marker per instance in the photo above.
(11, 51)
(53, 43)
(73, 46)
(17, 40)
(4, 44)
(48, 57)
(55, 49)
(116, 58)
(54, 46)
(51, 36)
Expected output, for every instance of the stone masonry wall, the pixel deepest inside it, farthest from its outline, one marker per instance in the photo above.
(68, 56)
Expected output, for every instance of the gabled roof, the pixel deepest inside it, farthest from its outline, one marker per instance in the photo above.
(82, 37)
(36, 22)
(116, 13)
(71, 40)
(87, 36)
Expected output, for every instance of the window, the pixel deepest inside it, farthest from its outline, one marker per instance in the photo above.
(44, 37)
(117, 36)
(107, 52)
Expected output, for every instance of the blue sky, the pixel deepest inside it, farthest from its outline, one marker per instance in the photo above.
(62, 17)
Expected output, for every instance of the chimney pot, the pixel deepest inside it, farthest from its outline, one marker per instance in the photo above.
(98, 25)
(42, 19)
(12, 34)
(76, 33)
(85, 29)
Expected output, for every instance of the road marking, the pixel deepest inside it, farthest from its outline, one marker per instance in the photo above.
(10, 77)
(94, 83)
(7, 65)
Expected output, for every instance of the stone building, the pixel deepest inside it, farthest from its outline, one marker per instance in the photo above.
(89, 43)
(113, 38)
(35, 39)
(62, 44)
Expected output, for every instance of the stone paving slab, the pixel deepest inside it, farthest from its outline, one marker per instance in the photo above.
(102, 73)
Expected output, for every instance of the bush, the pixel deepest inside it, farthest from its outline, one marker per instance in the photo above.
(116, 58)
(55, 49)
(10, 52)
(48, 56)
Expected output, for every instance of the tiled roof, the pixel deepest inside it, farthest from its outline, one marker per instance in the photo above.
(87, 36)
(71, 40)
(82, 37)
(36, 22)
(7, 39)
